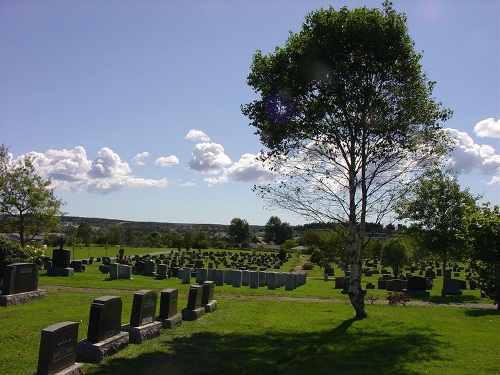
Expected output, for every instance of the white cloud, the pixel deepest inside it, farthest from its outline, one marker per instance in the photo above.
(139, 159)
(468, 156)
(167, 161)
(208, 158)
(250, 169)
(67, 168)
(488, 128)
(188, 184)
(197, 136)
(72, 170)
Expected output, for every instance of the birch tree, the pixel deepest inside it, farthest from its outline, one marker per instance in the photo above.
(348, 121)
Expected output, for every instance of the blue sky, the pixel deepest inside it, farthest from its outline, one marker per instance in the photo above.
(133, 107)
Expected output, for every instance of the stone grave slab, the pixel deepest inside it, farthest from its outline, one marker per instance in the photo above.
(168, 315)
(207, 297)
(20, 284)
(104, 335)
(142, 318)
(193, 310)
(57, 353)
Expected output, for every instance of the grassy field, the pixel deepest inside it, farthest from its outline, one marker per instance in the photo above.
(258, 331)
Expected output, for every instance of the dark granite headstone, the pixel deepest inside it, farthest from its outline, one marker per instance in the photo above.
(20, 278)
(57, 348)
(168, 303)
(61, 258)
(143, 308)
(417, 283)
(194, 297)
(208, 292)
(105, 318)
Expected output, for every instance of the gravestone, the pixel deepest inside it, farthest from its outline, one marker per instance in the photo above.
(113, 271)
(60, 262)
(186, 275)
(149, 268)
(193, 310)
(262, 278)
(142, 318)
(451, 287)
(124, 271)
(168, 315)
(77, 265)
(201, 275)
(289, 281)
(104, 336)
(237, 278)
(254, 279)
(339, 282)
(57, 353)
(162, 271)
(417, 287)
(20, 284)
(219, 277)
(207, 297)
(396, 285)
(272, 280)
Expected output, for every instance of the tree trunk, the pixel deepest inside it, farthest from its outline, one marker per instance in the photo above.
(358, 302)
(443, 294)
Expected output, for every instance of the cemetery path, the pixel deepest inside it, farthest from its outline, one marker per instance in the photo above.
(223, 296)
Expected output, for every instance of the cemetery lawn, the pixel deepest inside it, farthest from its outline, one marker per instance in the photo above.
(260, 335)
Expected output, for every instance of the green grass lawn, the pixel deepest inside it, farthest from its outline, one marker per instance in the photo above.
(254, 331)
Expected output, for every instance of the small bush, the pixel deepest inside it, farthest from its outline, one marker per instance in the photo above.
(397, 298)
(307, 266)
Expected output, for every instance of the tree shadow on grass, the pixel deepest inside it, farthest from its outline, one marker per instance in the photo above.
(336, 351)
(481, 312)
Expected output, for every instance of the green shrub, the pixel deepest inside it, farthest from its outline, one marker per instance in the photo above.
(307, 266)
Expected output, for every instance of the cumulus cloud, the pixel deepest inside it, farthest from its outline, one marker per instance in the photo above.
(197, 136)
(208, 158)
(71, 169)
(68, 169)
(139, 159)
(468, 156)
(488, 128)
(167, 161)
(250, 169)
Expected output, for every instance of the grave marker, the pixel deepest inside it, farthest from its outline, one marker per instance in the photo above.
(104, 336)
(142, 318)
(20, 284)
(57, 351)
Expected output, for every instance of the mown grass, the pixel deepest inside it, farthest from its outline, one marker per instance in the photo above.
(250, 336)
(254, 331)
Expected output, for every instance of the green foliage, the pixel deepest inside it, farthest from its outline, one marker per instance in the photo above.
(348, 118)
(308, 266)
(239, 230)
(27, 201)
(277, 232)
(437, 206)
(481, 233)
(396, 254)
(12, 252)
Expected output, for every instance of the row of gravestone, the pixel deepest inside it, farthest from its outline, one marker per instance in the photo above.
(235, 277)
(60, 351)
(240, 278)
(213, 259)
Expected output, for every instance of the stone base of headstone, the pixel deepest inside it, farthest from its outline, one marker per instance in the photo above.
(76, 369)
(141, 333)
(210, 307)
(451, 292)
(90, 352)
(20, 298)
(189, 315)
(59, 271)
(417, 293)
(173, 321)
